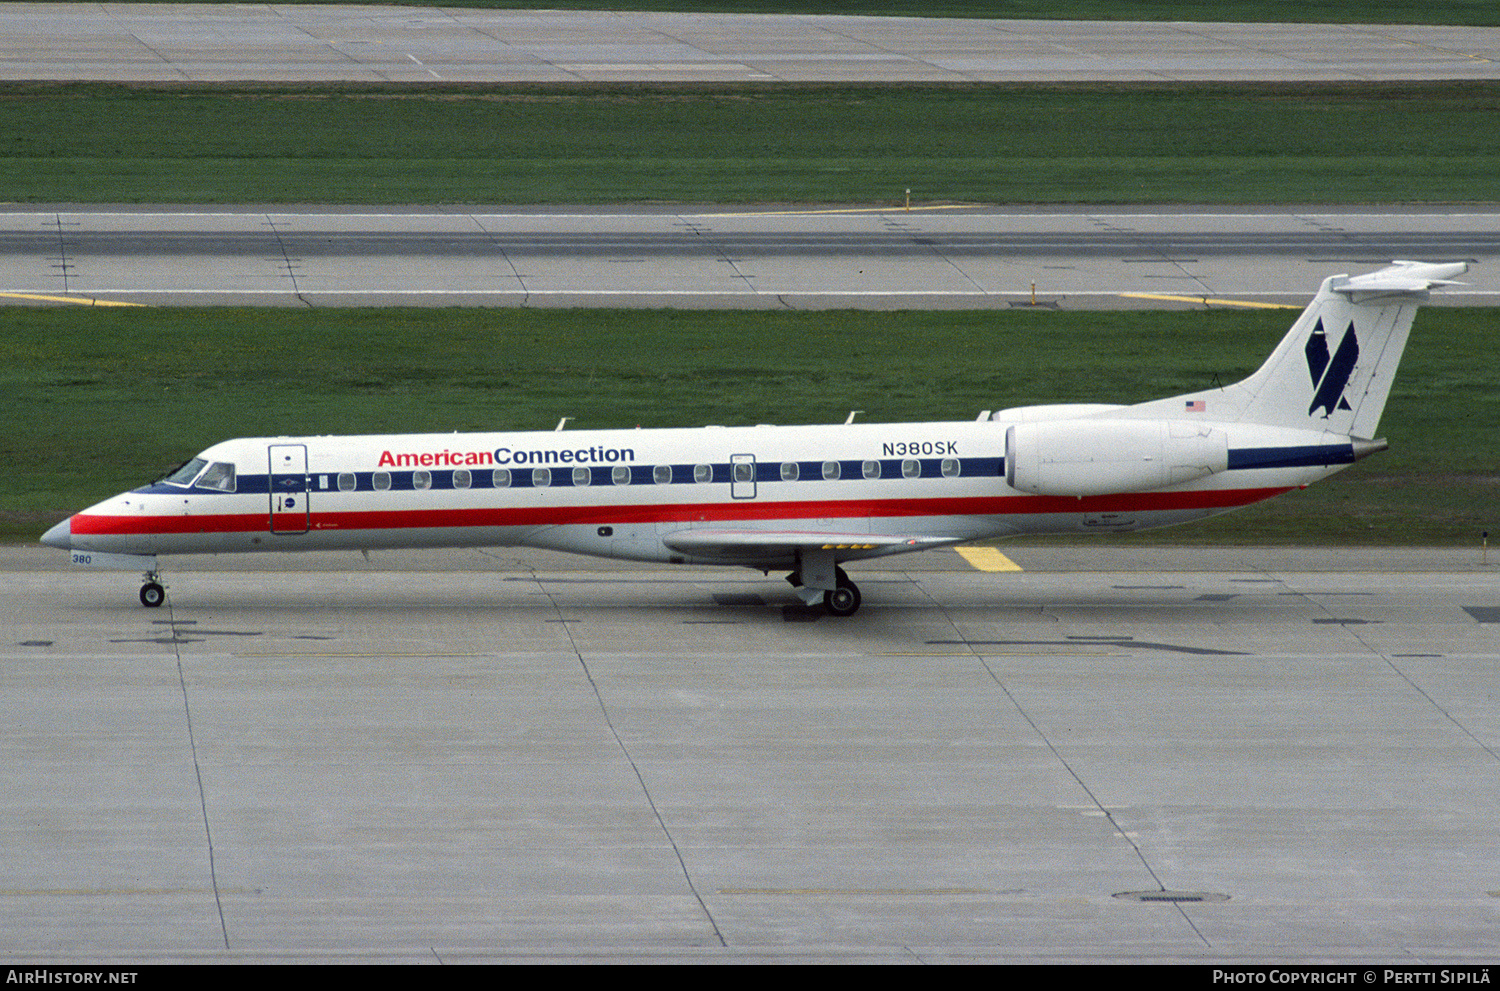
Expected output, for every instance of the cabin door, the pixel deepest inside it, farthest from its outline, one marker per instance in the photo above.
(289, 488)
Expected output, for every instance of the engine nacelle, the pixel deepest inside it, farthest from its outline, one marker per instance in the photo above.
(1097, 457)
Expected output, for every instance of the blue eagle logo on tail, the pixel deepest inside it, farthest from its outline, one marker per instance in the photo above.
(1330, 376)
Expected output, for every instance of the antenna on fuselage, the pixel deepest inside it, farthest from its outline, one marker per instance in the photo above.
(852, 414)
(561, 423)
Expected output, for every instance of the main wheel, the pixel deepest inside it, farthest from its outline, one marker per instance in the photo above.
(152, 595)
(842, 601)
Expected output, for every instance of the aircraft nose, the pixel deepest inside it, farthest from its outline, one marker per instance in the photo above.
(60, 536)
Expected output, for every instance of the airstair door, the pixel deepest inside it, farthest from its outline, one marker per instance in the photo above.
(289, 489)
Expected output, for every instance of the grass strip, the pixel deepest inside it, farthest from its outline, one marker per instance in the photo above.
(1211, 143)
(97, 401)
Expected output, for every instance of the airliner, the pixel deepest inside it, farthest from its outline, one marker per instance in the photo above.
(799, 499)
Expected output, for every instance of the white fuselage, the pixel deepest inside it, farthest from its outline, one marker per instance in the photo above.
(622, 493)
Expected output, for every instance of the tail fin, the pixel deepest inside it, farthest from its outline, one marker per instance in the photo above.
(1335, 367)
(1333, 370)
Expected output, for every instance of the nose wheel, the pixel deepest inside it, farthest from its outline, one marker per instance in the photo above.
(152, 592)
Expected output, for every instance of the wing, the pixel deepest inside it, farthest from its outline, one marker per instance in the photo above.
(777, 547)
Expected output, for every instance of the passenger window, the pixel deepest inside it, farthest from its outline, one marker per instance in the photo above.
(421, 479)
(789, 471)
(830, 470)
(950, 467)
(871, 469)
(541, 477)
(911, 468)
(346, 481)
(662, 474)
(381, 480)
(743, 472)
(219, 476)
(620, 475)
(502, 478)
(461, 478)
(582, 476)
(703, 473)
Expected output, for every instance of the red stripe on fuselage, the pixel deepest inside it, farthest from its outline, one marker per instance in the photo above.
(718, 512)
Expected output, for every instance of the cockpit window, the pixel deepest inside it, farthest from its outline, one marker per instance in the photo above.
(220, 475)
(186, 472)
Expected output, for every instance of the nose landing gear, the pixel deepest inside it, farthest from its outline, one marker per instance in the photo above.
(153, 594)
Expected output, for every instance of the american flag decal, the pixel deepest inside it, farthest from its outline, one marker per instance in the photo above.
(1197, 406)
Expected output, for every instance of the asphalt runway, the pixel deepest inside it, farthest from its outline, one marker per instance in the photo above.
(297, 43)
(1113, 755)
(964, 257)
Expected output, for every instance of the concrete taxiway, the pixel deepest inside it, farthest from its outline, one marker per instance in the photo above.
(962, 257)
(1114, 754)
(196, 43)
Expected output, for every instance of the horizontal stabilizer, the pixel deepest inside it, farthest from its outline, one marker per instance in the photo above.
(1401, 278)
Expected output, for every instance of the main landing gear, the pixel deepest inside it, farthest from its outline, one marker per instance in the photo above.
(842, 600)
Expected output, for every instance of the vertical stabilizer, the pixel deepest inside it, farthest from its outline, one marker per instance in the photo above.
(1333, 370)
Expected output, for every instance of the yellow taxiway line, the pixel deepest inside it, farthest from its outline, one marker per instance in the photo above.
(1208, 301)
(856, 209)
(77, 300)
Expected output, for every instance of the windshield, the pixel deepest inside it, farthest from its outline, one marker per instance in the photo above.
(186, 472)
